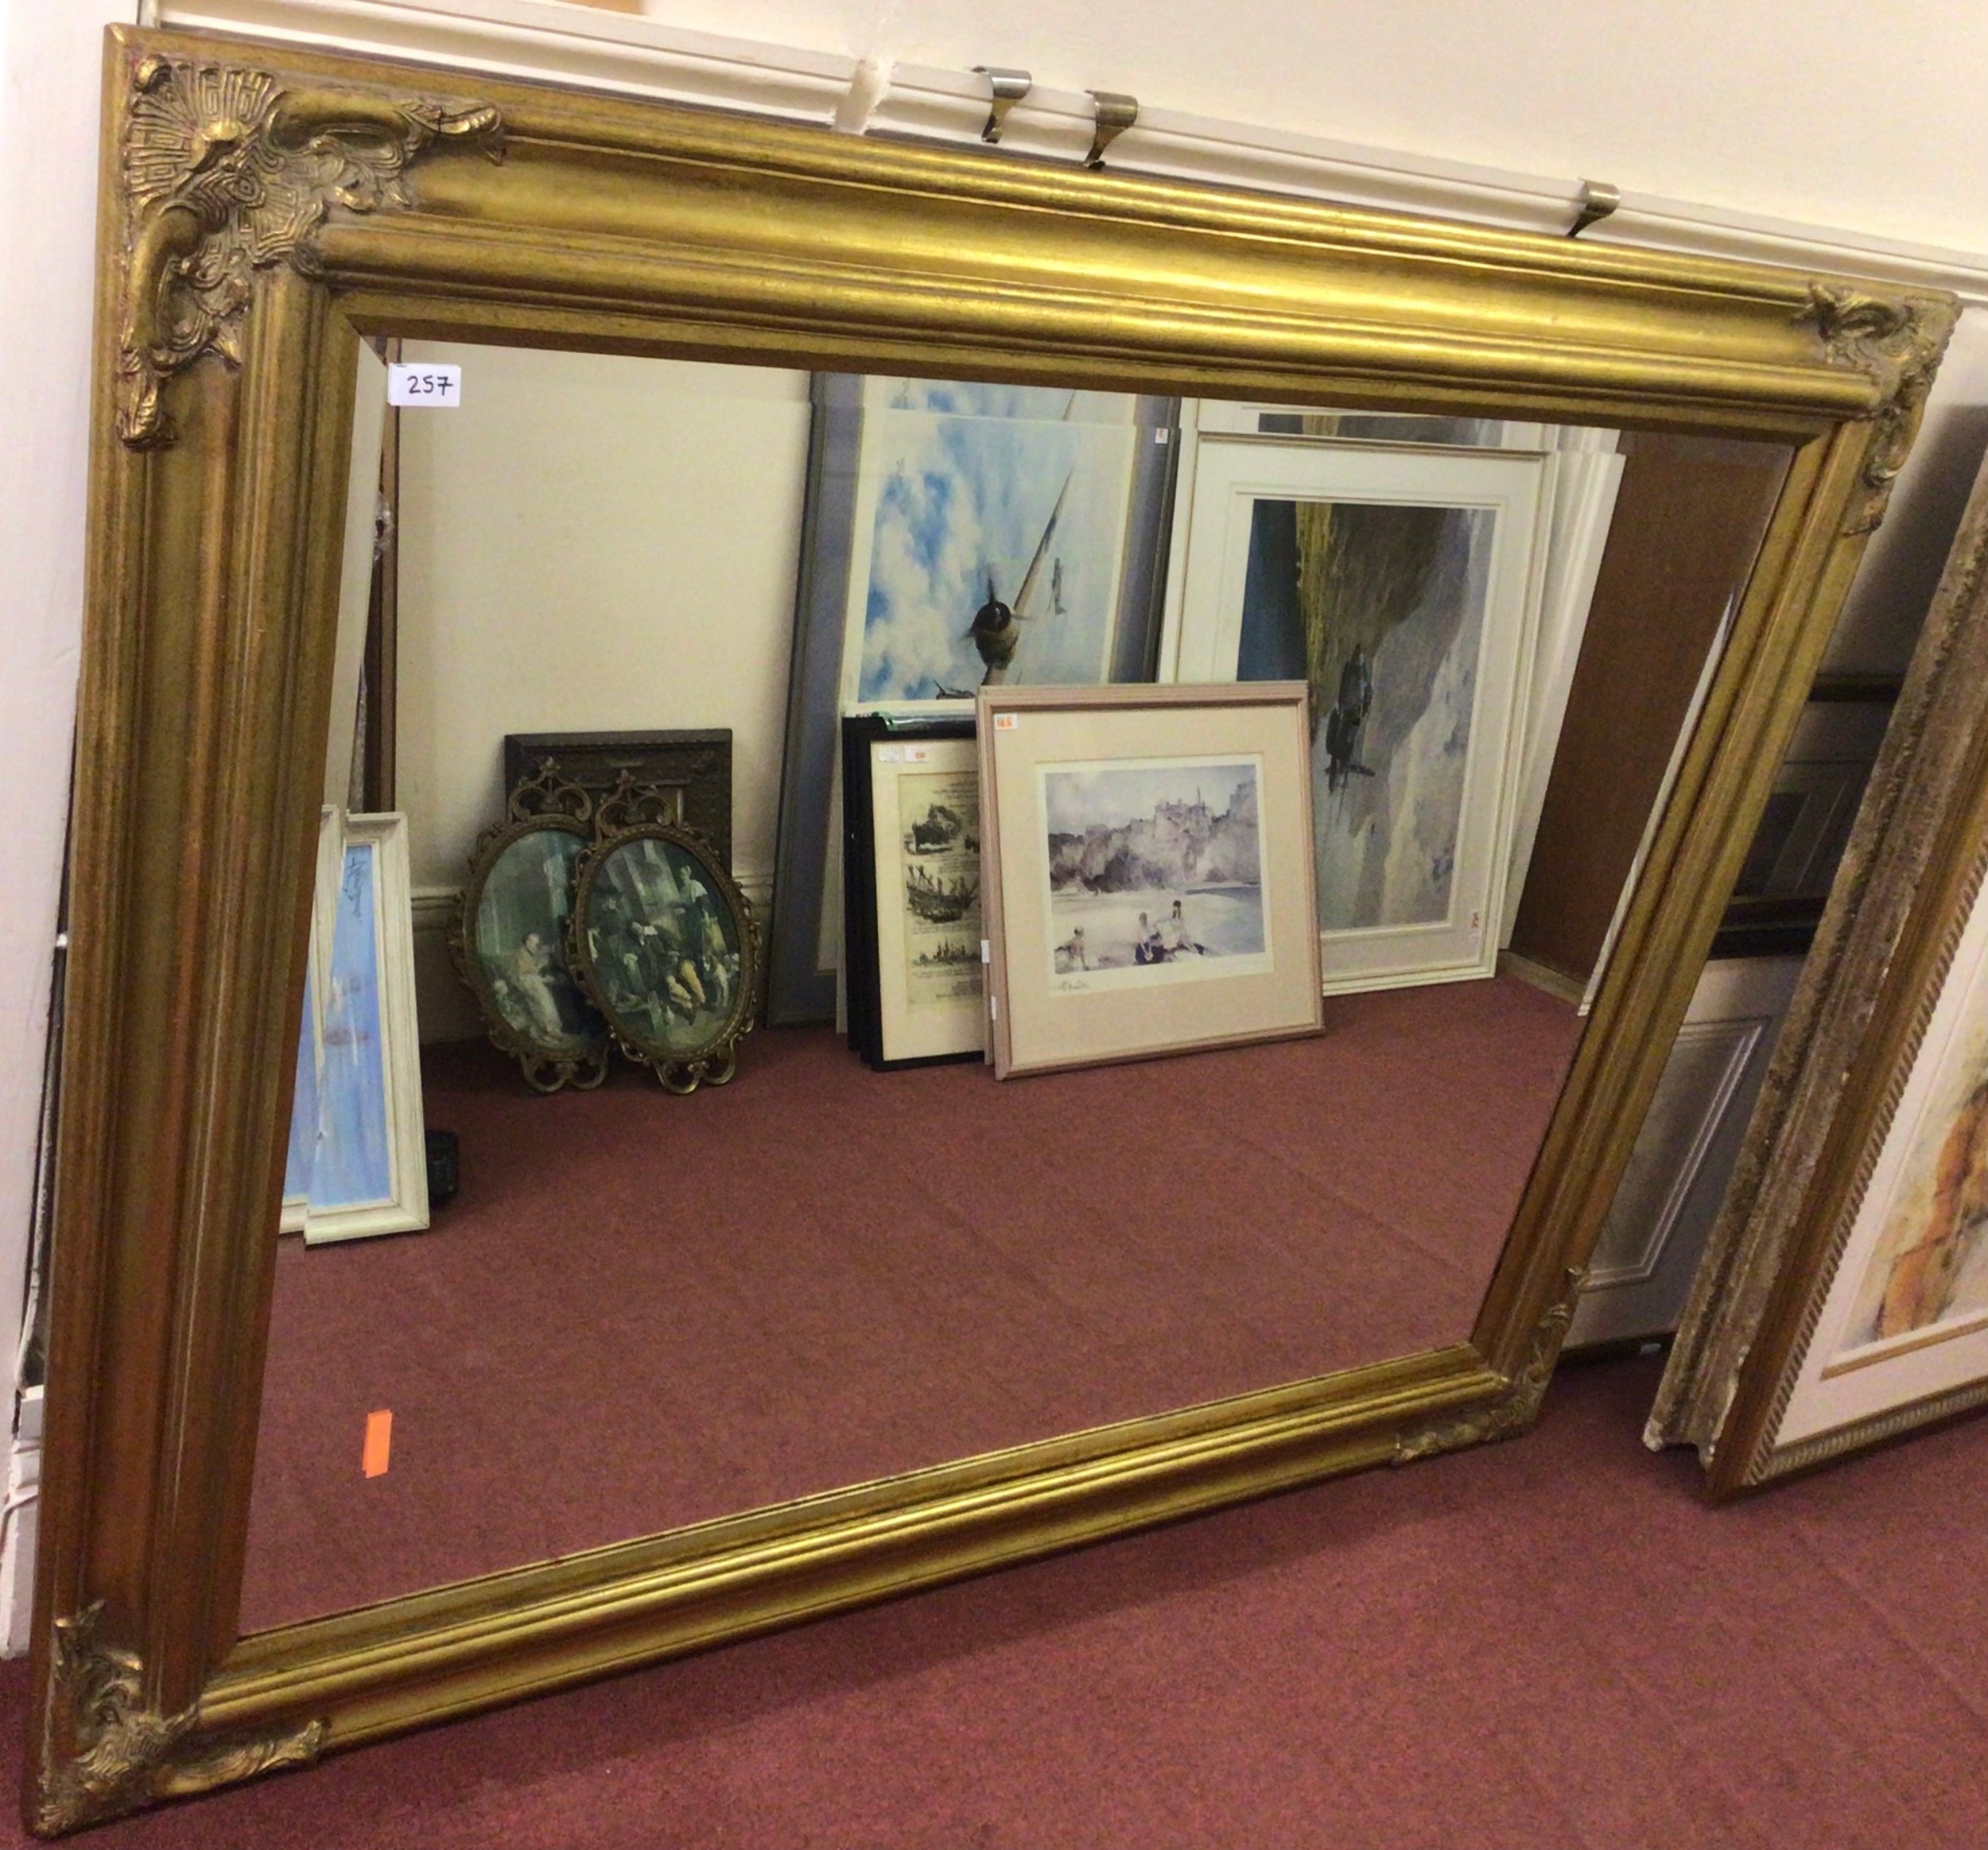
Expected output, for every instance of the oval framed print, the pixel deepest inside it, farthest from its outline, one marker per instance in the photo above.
(509, 945)
(665, 946)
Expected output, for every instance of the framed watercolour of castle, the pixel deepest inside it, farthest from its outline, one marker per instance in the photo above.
(1148, 859)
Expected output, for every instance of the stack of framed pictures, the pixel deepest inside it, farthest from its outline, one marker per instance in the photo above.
(957, 533)
(358, 1161)
(589, 925)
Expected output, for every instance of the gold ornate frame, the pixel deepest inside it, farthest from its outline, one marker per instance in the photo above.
(1912, 872)
(621, 820)
(262, 207)
(542, 805)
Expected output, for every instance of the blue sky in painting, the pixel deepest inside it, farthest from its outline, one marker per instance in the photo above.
(349, 1167)
(297, 1167)
(969, 478)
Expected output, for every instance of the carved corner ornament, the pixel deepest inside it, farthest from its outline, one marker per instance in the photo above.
(128, 1756)
(226, 172)
(1515, 1410)
(1898, 341)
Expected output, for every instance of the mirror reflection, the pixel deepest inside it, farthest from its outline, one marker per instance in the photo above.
(646, 1003)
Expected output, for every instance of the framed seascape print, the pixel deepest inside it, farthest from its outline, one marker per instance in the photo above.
(911, 854)
(663, 944)
(369, 1167)
(1404, 586)
(1843, 1298)
(509, 937)
(957, 534)
(1148, 859)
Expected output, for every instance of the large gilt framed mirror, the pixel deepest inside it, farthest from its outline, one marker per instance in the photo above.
(864, 1331)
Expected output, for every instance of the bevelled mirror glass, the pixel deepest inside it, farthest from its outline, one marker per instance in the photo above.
(531, 1197)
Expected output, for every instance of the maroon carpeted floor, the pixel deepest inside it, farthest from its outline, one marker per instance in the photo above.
(1547, 1643)
(643, 1311)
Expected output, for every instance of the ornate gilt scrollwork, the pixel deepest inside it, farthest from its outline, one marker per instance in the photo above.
(1514, 1411)
(1897, 340)
(226, 172)
(126, 1755)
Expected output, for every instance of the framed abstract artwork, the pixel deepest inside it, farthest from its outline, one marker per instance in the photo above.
(1843, 1299)
(957, 534)
(1147, 883)
(1403, 584)
(911, 891)
(369, 1165)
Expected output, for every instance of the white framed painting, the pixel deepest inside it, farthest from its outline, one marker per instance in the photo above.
(1404, 585)
(368, 1162)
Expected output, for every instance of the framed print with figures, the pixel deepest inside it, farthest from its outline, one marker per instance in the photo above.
(1148, 870)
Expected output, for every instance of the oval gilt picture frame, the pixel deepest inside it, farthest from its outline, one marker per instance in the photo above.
(509, 942)
(666, 947)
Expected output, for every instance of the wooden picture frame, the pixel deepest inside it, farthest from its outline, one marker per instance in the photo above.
(367, 197)
(912, 931)
(1840, 1302)
(1078, 784)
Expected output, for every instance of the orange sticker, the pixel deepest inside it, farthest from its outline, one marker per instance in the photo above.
(379, 1441)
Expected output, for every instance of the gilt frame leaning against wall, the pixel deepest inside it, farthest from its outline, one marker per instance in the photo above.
(263, 208)
(1842, 1299)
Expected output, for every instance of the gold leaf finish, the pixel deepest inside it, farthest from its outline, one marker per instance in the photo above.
(1514, 1411)
(244, 189)
(228, 173)
(1898, 342)
(127, 1755)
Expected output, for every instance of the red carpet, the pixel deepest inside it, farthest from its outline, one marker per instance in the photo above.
(643, 1311)
(1551, 1645)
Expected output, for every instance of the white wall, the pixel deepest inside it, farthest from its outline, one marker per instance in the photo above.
(590, 543)
(1865, 117)
(50, 52)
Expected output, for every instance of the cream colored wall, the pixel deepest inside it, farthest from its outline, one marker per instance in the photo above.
(589, 543)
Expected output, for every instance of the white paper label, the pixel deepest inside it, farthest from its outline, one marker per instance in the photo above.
(430, 387)
(1007, 722)
(987, 951)
(917, 755)
(890, 754)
